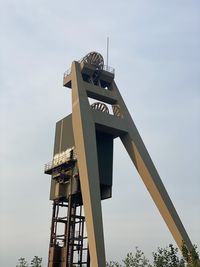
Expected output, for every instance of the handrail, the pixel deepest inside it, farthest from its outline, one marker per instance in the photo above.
(59, 159)
(109, 69)
(105, 67)
(67, 72)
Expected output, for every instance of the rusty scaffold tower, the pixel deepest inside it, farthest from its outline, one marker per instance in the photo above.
(68, 241)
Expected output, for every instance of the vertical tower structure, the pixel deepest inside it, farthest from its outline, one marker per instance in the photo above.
(88, 133)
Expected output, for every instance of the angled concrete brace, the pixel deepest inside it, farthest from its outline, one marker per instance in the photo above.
(145, 167)
(85, 142)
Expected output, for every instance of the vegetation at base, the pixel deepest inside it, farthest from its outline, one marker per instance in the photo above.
(164, 257)
(35, 262)
(167, 257)
(22, 263)
(191, 257)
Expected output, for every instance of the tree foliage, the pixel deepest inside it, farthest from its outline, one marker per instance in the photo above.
(191, 257)
(136, 259)
(164, 257)
(167, 257)
(22, 262)
(35, 262)
(113, 264)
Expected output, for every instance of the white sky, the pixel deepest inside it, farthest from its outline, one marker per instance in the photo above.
(154, 48)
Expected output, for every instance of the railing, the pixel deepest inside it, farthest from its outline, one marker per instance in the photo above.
(105, 67)
(61, 158)
(67, 72)
(109, 69)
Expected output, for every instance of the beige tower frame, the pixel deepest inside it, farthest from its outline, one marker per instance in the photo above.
(85, 121)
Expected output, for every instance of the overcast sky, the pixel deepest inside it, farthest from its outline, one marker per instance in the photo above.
(154, 48)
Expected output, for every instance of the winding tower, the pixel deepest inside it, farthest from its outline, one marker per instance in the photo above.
(81, 169)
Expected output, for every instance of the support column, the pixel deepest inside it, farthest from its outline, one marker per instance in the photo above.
(85, 142)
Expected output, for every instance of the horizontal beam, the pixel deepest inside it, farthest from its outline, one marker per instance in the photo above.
(109, 123)
(100, 94)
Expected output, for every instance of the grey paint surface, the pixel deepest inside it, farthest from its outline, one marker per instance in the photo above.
(64, 137)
